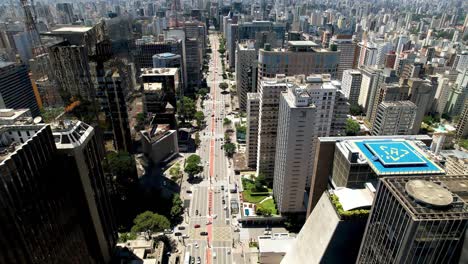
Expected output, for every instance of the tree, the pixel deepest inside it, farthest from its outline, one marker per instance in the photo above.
(241, 129)
(355, 110)
(150, 222)
(197, 139)
(263, 210)
(223, 86)
(200, 118)
(226, 121)
(260, 182)
(352, 127)
(203, 92)
(177, 210)
(227, 137)
(174, 171)
(192, 165)
(229, 149)
(186, 109)
(122, 166)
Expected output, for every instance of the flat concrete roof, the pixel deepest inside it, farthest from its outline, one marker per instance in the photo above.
(352, 199)
(303, 43)
(152, 86)
(276, 245)
(78, 29)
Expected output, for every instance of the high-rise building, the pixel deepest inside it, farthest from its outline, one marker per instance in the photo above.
(55, 193)
(71, 59)
(253, 106)
(335, 162)
(65, 13)
(269, 92)
(169, 83)
(301, 57)
(336, 225)
(167, 60)
(394, 118)
(77, 140)
(351, 85)
(416, 220)
(246, 71)
(193, 62)
(348, 53)
(456, 162)
(462, 126)
(16, 89)
(113, 104)
(458, 94)
(386, 93)
(421, 93)
(367, 54)
(305, 113)
(236, 33)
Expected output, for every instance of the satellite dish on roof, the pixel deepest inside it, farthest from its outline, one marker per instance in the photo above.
(37, 120)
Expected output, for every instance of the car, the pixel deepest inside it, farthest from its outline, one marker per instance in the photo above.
(236, 229)
(204, 233)
(196, 245)
(185, 236)
(167, 231)
(225, 207)
(222, 187)
(212, 115)
(198, 260)
(208, 223)
(215, 216)
(177, 234)
(189, 191)
(196, 226)
(181, 227)
(224, 202)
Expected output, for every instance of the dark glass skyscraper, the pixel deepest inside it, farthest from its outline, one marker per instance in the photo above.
(416, 220)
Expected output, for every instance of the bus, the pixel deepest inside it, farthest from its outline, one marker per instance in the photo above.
(187, 259)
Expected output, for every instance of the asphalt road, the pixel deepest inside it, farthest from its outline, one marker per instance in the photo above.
(207, 208)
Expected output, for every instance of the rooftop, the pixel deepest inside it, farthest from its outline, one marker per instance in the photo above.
(72, 29)
(5, 63)
(70, 133)
(166, 55)
(158, 71)
(277, 244)
(396, 157)
(429, 197)
(156, 86)
(352, 199)
(302, 43)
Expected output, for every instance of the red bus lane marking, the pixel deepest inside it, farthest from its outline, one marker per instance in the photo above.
(209, 228)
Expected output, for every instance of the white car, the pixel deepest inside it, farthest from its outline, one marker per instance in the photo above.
(196, 245)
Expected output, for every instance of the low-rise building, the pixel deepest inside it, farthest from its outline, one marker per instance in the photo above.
(456, 162)
(160, 143)
(273, 248)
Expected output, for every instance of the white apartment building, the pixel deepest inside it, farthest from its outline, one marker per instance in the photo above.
(394, 118)
(456, 162)
(305, 113)
(253, 105)
(351, 85)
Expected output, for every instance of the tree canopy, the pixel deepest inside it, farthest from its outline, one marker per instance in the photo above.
(150, 222)
(352, 127)
(223, 85)
(187, 108)
(200, 118)
(177, 210)
(122, 166)
(229, 149)
(192, 165)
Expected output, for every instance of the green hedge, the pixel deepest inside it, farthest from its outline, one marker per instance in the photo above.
(352, 214)
(260, 194)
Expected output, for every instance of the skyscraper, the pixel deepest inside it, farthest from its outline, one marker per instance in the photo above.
(253, 105)
(246, 71)
(416, 220)
(305, 113)
(351, 85)
(301, 57)
(16, 89)
(54, 197)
